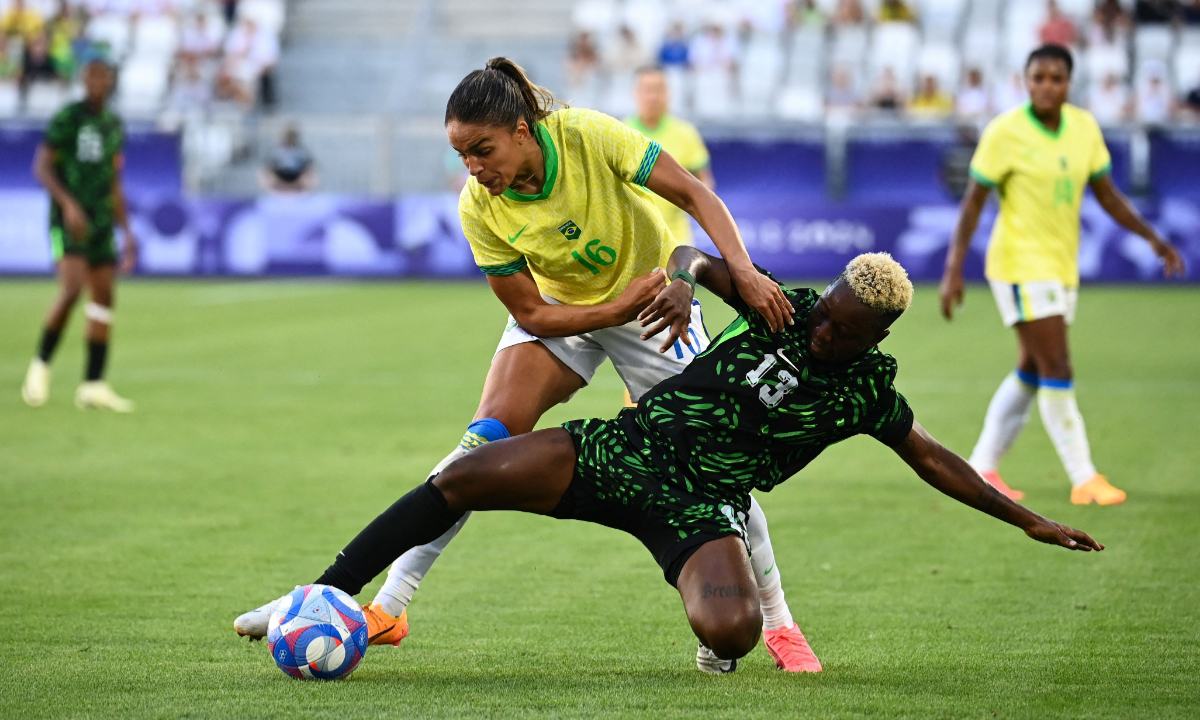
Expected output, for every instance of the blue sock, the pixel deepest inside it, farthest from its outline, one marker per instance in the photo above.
(1030, 379)
(483, 431)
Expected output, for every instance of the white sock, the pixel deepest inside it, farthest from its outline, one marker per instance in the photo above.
(1007, 414)
(410, 568)
(1064, 425)
(762, 558)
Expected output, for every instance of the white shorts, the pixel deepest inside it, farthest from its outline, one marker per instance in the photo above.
(638, 362)
(1034, 300)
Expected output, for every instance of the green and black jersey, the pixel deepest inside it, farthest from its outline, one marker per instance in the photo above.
(746, 414)
(86, 147)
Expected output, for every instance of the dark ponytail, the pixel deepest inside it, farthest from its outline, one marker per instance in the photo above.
(499, 96)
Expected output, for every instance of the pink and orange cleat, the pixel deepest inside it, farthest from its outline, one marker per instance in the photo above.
(383, 629)
(994, 480)
(790, 650)
(1097, 490)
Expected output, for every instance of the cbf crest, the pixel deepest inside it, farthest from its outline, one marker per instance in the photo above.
(570, 230)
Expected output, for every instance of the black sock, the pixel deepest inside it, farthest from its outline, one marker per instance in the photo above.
(49, 344)
(97, 355)
(418, 518)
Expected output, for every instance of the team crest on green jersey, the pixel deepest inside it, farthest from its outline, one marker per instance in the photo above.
(569, 230)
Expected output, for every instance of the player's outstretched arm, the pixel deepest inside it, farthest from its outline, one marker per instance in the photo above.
(952, 475)
(669, 180)
(1120, 209)
(519, 293)
(75, 219)
(951, 289)
(673, 306)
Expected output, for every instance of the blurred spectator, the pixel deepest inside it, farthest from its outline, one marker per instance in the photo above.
(713, 50)
(805, 13)
(582, 60)
(674, 50)
(10, 61)
(930, 101)
(895, 11)
(1058, 28)
(290, 167)
(65, 35)
(191, 91)
(1155, 11)
(200, 40)
(1109, 101)
(625, 54)
(229, 11)
(1153, 105)
(887, 95)
(250, 55)
(1011, 93)
(38, 66)
(842, 99)
(1191, 101)
(1110, 23)
(22, 21)
(1189, 12)
(849, 12)
(972, 102)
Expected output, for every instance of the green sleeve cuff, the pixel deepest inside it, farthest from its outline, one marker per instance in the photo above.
(982, 179)
(1100, 173)
(511, 268)
(648, 160)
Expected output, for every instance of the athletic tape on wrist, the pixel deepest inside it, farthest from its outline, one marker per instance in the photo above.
(98, 313)
(685, 276)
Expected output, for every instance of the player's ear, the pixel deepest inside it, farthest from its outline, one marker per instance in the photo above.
(882, 334)
(521, 132)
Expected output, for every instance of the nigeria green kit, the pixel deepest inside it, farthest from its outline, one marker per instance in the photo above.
(747, 414)
(86, 147)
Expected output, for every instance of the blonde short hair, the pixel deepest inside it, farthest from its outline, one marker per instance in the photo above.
(880, 283)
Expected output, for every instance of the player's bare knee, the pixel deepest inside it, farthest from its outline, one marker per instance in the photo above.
(734, 633)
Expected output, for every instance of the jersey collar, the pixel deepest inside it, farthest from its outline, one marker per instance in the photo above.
(1062, 122)
(551, 153)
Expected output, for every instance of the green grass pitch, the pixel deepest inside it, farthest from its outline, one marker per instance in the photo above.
(275, 419)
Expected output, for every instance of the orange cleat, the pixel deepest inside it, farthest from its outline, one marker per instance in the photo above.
(790, 650)
(994, 480)
(1097, 490)
(383, 629)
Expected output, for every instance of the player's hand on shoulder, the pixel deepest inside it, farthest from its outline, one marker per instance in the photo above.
(764, 296)
(671, 308)
(1053, 533)
(640, 293)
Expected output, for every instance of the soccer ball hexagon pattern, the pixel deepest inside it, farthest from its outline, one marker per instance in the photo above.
(317, 632)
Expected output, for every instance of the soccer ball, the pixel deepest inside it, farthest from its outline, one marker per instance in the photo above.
(317, 632)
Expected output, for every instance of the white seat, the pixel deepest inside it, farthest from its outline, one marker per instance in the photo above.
(759, 73)
(269, 14)
(143, 86)
(800, 103)
(1021, 25)
(156, 36)
(940, 19)
(647, 19)
(43, 99)
(980, 49)
(10, 99)
(1152, 42)
(894, 45)
(1189, 37)
(1102, 60)
(806, 59)
(112, 31)
(1187, 69)
(942, 62)
(596, 16)
(849, 45)
(712, 97)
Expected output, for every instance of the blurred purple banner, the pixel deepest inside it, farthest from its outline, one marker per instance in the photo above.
(419, 236)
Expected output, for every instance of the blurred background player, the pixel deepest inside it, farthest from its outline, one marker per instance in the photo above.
(79, 163)
(678, 138)
(572, 245)
(1040, 157)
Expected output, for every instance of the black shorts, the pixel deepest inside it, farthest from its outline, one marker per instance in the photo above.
(612, 489)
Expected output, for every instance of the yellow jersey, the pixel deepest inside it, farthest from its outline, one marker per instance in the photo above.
(1040, 177)
(681, 140)
(591, 230)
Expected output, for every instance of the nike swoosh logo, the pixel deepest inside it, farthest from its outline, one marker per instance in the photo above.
(789, 362)
(513, 239)
(389, 629)
(768, 570)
